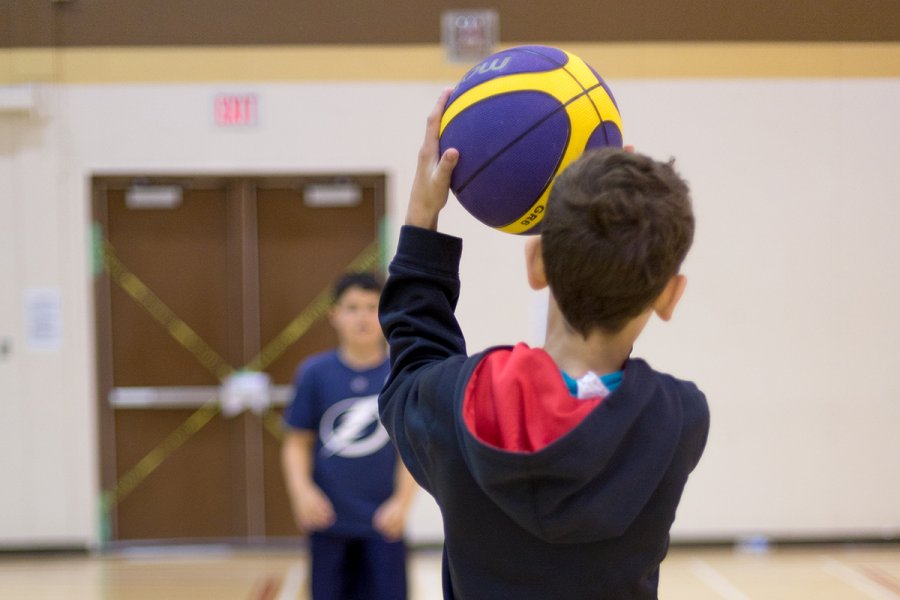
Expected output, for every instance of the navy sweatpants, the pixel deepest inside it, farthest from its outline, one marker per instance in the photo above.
(357, 568)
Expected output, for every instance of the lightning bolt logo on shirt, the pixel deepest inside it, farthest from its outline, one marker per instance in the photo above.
(350, 428)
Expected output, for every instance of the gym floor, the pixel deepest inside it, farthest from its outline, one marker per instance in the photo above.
(820, 572)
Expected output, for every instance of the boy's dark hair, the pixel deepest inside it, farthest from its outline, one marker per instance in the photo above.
(365, 281)
(617, 228)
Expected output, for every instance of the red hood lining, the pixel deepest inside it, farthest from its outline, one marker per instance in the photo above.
(516, 400)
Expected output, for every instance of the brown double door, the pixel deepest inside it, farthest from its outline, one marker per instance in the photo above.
(197, 278)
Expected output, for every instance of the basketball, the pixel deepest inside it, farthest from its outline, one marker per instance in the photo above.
(518, 118)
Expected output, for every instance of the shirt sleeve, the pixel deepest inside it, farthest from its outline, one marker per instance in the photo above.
(301, 413)
(419, 299)
(426, 346)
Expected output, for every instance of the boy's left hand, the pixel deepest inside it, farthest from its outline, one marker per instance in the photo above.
(431, 185)
(390, 518)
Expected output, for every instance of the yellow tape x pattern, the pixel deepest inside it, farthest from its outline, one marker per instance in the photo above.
(209, 358)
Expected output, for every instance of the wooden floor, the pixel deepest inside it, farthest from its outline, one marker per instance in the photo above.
(814, 572)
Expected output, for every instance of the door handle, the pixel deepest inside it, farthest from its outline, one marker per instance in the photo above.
(193, 396)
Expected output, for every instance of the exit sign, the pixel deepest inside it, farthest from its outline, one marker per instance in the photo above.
(236, 110)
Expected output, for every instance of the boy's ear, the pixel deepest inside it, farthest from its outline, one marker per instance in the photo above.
(665, 304)
(534, 263)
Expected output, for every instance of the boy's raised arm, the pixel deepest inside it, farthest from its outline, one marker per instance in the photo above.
(418, 302)
(417, 308)
(431, 185)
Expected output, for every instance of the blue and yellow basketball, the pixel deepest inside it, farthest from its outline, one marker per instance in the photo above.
(518, 118)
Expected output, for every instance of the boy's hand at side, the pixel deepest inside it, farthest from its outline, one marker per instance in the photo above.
(313, 510)
(431, 185)
(311, 507)
(390, 518)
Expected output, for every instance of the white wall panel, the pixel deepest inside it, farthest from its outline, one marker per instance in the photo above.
(12, 406)
(790, 323)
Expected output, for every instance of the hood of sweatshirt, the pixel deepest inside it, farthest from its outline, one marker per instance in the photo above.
(564, 469)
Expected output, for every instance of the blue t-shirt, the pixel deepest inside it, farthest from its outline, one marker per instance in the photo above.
(354, 460)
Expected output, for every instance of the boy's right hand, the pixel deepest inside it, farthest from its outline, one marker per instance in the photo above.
(313, 510)
(431, 185)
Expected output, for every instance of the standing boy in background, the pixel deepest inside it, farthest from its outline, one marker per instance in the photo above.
(348, 490)
(558, 470)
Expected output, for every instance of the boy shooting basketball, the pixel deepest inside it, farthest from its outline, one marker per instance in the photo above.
(558, 470)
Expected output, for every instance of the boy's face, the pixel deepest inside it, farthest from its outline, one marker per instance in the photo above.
(355, 318)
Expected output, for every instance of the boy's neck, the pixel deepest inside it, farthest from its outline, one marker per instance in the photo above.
(599, 352)
(362, 357)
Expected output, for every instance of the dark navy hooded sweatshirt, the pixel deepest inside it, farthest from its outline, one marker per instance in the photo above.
(542, 496)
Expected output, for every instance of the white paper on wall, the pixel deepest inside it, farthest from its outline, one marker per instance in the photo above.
(43, 319)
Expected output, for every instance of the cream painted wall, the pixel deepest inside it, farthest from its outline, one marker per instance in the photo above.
(48, 440)
(790, 323)
(12, 463)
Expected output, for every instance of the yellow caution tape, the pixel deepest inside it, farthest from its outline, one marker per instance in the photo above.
(272, 422)
(209, 358)
(157, 309)
(308, 317)
(139, 472)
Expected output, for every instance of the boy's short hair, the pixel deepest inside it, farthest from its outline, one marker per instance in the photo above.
(364, 281)
(617, 228)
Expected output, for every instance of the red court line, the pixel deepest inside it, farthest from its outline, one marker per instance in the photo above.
(882, 578)
(268, 590)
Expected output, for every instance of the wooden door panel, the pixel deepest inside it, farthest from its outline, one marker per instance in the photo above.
(196, 493)
(279, 516)
(302, 251)
(199, 266)
(177, 257)
(180, 255)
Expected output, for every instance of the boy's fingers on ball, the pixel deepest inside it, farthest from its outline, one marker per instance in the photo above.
(445, 166)
(450, 157)
(442, 100)
(434, 118)
(433, 122)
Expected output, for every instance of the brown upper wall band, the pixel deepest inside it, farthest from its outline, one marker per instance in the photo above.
(73, 23)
